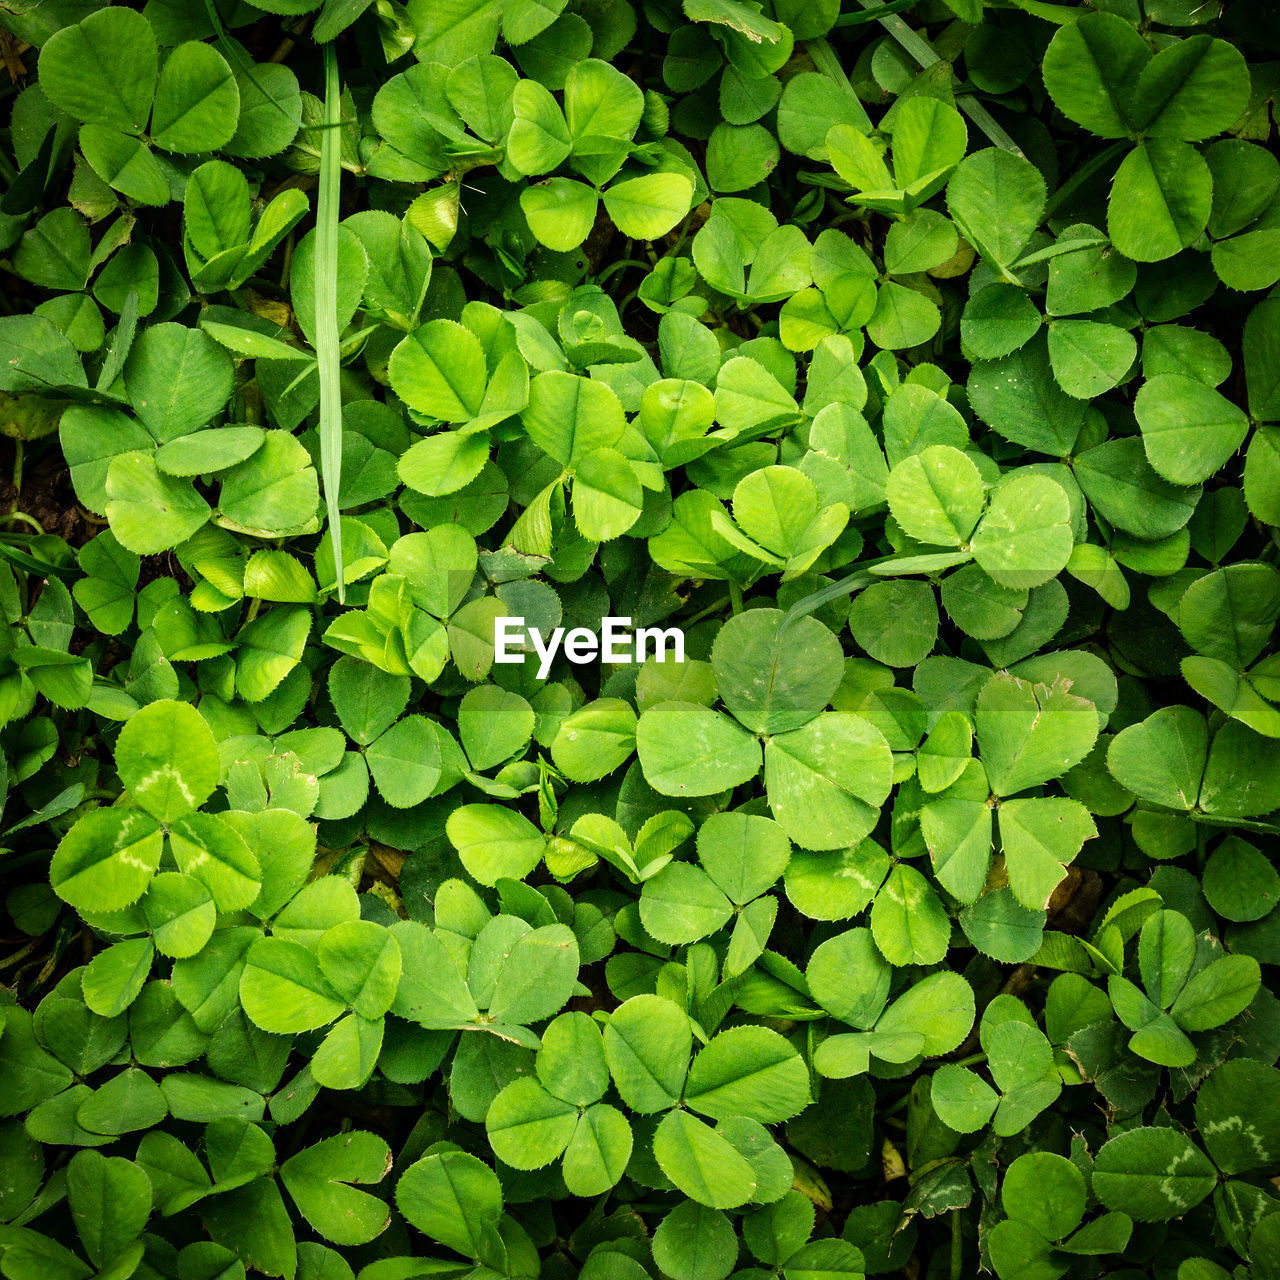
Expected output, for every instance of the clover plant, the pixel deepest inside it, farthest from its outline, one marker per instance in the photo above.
(917, 362)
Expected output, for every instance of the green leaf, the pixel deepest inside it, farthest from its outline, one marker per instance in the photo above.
(495, 842)
(1160, 200)
(827, 780)
(1091, 70)
(433, 992)
(406, 761)
(908, 921)
(124, 163)
(197, 100)
(177, 379)
(215, 449)
(748, 1071)
(739, 156)
(937, 495)
(1089, 358)
(539, 139)
(167, 757)
(1229, 614)
(571, 1062)
(283, 989)
(647, 207)
(320, 1180)
(599, 1151)
(538, 976)
(1122, 487)
(681, 904)
(939, 1008)
(107, 859)
(1153, 1175)
(527, 1126)
(702, 1163)
(997, 200)
(963, 1102)
(272, 493)
(1022, 1064)
(1046, 1191)
(744, 854)
(210, 849)
(997, 320)
(1237, 1113)
(1217, 993)
(560, 212)
(453, 1198)
(895, 622)
(690, 750)
(1029, 733)
(494, 725)
(1239, 882)
(150, 512)
(1162, 758)
(1040, 838)
(647, 1044)
(849, 977)
(594, 740)
(943, 755)
(110, 1201)
(1193, 89)
(607, 496)
(103, 69)
(1188, 430)
(1019, 398)
(115, 977)
(569, 416)
(362, 962)
(180, 914)
(439, 370)
(774, 679)
(215, 208)
(270, 647)
(1025, 538)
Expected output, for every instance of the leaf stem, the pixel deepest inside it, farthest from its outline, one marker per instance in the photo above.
(24, 518)
(621, 265)
(714, 607)
(735, 596)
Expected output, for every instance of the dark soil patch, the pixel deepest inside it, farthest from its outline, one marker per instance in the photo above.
(46, 495)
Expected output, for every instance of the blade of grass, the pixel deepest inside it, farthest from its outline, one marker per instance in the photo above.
(860, 19)
(243, 65)
(1083, 174)
(867, 574)
(824, 58)
(328, 354)
(925, 54)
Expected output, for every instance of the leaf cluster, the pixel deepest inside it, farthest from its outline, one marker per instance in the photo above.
(919, 362)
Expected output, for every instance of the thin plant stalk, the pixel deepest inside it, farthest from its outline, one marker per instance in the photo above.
(824, 58)
(926, 55)
(328, 355)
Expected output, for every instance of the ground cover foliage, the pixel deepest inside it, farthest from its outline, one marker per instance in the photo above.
(920, 361)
